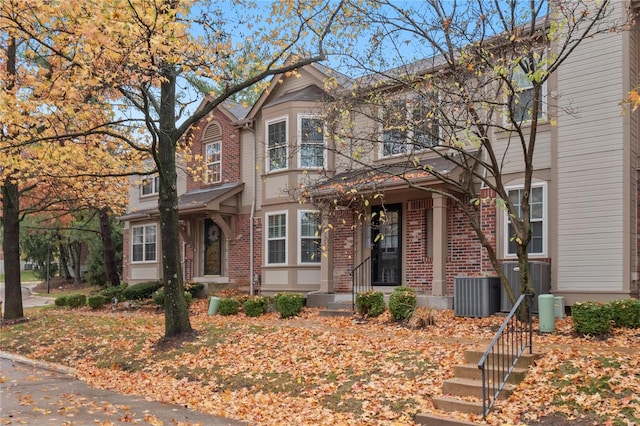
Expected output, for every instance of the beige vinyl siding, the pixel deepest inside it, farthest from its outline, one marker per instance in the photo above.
(590, 169)
(513, 162)
(248, 169)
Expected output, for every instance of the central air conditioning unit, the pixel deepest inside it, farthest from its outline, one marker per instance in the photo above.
(540, 273)
(476, 296)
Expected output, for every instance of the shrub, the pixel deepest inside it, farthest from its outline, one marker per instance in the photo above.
(111, 293)
(289, 304)
(256, 306)
(158, 296)
(591, 318)
(626, 313)
(188, 297)
(76, 300)
(229, 306)
(141, 291)
(370, 303)
(402, 302)
(61, 301)
(193, 288)
(96, 301)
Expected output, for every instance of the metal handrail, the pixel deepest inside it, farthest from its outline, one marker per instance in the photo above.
(510, 342)
(360, 279)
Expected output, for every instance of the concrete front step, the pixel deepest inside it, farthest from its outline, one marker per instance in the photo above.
(449, 404)
(336, 312)
(436, 420)
(468, 387)
(472, 356)
(471, 371)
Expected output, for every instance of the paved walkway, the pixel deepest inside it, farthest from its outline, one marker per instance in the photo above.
(36, 393)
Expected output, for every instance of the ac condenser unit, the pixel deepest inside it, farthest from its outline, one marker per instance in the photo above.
(476, 296)
(540, 273)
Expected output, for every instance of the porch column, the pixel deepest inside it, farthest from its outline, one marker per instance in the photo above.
(439, 283)
(326, 263)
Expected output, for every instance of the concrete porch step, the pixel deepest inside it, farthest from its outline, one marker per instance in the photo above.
(469, 387)
(472, 356)
(449, 404)
(471, 371)
(336, 312)
(435, 420)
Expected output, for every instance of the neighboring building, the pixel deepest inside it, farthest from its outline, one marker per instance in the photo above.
(242, 225)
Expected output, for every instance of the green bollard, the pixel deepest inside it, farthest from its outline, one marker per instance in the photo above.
(214, 304)
(546, 313)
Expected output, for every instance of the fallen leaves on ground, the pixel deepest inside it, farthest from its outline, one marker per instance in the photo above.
(326, 370)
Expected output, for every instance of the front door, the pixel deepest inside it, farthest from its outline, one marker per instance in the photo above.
(386, 245)
(212, 248)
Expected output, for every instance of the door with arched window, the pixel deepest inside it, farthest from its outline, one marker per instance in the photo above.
(212, 248)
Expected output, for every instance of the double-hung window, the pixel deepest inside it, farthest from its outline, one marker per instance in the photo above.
(277, 144)
(311, 141)
(407, 126)
(277, 238)
(310, 239)
(213, 154)
(150, 186)
(523, 99)
(143, 243)
(537, 200)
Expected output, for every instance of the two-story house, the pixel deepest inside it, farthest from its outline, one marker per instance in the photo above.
(245, 222)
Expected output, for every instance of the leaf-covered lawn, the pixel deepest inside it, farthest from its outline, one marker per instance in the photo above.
(318, 370)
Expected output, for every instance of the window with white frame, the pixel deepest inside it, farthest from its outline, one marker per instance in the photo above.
(277, 238)
(143, 243)
(311, 141)
(150, 186)
(276, 144)
(408, 125)
(310, 240)
(213, 155)
(523, 101)
(537, 203)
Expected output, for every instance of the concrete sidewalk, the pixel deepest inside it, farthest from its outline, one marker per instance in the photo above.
(37, 393)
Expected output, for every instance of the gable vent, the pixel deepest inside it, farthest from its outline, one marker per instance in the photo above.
(212, 133)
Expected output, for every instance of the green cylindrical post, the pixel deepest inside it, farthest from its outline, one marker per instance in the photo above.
(546, 313)
(214, 304)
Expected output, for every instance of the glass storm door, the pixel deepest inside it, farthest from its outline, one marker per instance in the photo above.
(386, 244)
(212, 248)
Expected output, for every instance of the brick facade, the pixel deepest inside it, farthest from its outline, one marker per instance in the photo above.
(343, 250)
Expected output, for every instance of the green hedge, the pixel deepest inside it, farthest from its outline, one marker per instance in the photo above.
(61, 301)
(370, 303)
(402, 302)
(229, 306)
(158, 296)
(113, 292)
(97, 301)
(625, 313)
(256, 306)
(141, 291)
(289, 304)
(590, 318)
(76, 300)
(193, 288)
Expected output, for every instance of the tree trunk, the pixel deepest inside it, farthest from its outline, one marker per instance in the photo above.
(11, 245)
(107, 249)
(175, 306)
(64, 258)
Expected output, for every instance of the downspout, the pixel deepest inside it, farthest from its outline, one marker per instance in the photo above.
(251, 219)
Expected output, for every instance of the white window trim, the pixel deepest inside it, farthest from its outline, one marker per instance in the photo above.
(324, 142)
(300, 237)
(409, 131)
(154, 185)
(144, 235)
(284, 118)
(206, 165)
(267, 239)
(545, 222)
(543, 102)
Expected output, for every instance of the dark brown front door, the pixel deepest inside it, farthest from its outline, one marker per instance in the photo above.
(212, 248)
(386, 245)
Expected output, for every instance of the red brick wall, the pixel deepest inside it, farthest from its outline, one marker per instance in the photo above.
(343, 250)
(419, 268)
(230, 164)
(239, 252)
